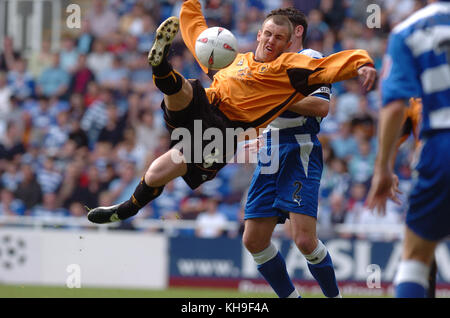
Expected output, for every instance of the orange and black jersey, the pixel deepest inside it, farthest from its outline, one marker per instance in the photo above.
(251, 93)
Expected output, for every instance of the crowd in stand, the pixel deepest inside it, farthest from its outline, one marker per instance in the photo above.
(80, 124)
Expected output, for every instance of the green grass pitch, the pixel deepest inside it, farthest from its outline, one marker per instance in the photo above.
(17, 291)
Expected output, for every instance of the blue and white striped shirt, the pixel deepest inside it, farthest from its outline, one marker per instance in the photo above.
(417, 64)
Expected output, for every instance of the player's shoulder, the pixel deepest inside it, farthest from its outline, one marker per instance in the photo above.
(424, 13)
(311, 53)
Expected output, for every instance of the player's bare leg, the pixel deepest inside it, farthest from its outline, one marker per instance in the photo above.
(258, 233)
(319, 261)
(418, 254)
(417, 248)
(304, 234)
(257, 239)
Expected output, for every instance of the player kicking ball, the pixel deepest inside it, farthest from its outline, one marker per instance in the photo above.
(226, 103)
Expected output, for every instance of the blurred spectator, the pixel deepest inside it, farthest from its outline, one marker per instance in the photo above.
(361, 164)
(245, 39)
(99, 59)
(11, 143)
(69, 184)
(54, 81)
(335, 177)
(338, 208)
(107, 175)
(190, 68)
(96, 117)
(211, 223)
(92, 94)
(131, 56)
(69, 55)
(77, 209)
(355, 203)
(146, 37)
(344, 144)
(48, 177)
(165, 207)
(5, 104)
(129, 150)
(141, 76)
(193, 204)
(334, 12)
(86, 38)
(41, 118)
(77, 135)
(116, 43)
(102, 20)
(105, 199)
(123, 187)
(348, 103)
(49, 208)
(317, 28)
(363, 128)
(133, 22)
(115, 125)
(10, 206)
(20, 80)
(304, 6)
(89, 192)
(330, 124)
(147, 131)
(28, 190)
(112, 78)
(8, 55)
(10, 178)
(81, 77)
(40, 60)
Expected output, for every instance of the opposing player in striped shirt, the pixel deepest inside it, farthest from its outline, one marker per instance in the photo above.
(417, 64)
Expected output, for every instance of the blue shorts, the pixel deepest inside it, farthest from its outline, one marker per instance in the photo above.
(294, 186)
(429, 202)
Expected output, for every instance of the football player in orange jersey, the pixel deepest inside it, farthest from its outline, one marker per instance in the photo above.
(249, 93)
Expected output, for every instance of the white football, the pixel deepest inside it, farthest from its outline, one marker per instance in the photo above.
(216, 48)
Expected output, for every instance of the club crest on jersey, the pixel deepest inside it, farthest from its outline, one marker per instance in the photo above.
(245, 72)
(240, 63)
(263, 69)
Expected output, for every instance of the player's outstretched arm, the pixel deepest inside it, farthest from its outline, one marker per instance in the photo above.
(342, 66)
(391, 117)
(311, 106)
(192, 23)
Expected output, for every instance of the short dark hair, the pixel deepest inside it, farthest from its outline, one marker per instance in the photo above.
(283, 20)
(295, 16)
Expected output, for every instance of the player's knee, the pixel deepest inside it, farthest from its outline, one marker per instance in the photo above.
(153, 177)
(253, 245)
(305, 243)
(157, 174)
(165, 168)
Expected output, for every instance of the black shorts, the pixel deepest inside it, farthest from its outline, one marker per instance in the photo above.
(187, 128)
